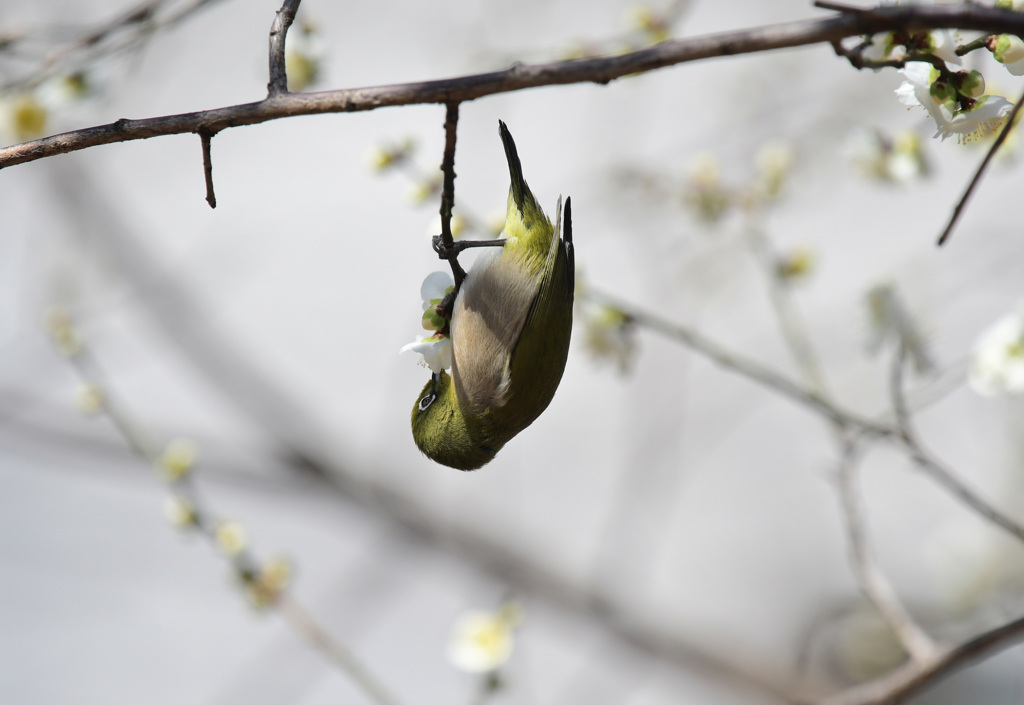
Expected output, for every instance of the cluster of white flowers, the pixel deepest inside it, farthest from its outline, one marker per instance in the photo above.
(924, 88)
(954, 98)
(436, 348)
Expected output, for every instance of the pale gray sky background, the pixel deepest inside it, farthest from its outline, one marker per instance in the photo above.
(696, 501)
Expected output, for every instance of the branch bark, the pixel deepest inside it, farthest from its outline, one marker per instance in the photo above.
(522, 76)
(278, 34)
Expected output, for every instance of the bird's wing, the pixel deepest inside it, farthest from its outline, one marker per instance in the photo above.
(490, 311)
(538, 359)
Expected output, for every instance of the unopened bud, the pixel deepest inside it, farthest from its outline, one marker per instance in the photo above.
(971, 83)
(942, 92)
(1008, 49)
(433, 320)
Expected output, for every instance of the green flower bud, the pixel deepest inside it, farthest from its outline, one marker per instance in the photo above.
(970, 83)
(1008, 49)
(942, 92)
(433, 320)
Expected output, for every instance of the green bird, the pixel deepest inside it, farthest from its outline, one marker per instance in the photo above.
(510, 328)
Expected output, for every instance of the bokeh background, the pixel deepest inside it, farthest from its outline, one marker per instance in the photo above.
(671, 503)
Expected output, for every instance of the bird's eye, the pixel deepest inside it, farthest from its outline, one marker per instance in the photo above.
(426, 401)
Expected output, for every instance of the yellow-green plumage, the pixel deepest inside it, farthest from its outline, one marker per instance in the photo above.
(510, 333)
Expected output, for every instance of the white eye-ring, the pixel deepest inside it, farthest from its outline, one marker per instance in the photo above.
(426, 401)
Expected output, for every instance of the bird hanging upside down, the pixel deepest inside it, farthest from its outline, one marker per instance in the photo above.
(510, 328)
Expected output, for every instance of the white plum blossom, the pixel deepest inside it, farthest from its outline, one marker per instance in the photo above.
(982, 117)
(997, 367)
(483, 641)
(1009, 51)
(436, 348)
(436, 351)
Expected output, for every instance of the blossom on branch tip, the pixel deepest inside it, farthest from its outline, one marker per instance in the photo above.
(655, 26)
(178, 459)
(704, 191)
(65, 338)
(482, 641)
(179, 511)
(1008, 49)
(89, 397)
(969, 118)
(31, 114)
(997, 365)
(230, 537)
(436, 348)
(381, 158)
(303, 57)
(900, 159)
(609, 334)
(265, 587)
(796, 264)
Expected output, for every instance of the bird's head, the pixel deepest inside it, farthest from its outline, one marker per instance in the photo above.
(445, 431)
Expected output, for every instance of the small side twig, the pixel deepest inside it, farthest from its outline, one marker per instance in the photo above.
(855, 55)
(205, 136)
(278, 34)
(841, 7)
(932, 466)
(445, 245)
(744, 366)
(1010, 121)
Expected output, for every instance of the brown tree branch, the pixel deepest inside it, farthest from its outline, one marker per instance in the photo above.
(204, 138)
(522, 76)
(278, 35)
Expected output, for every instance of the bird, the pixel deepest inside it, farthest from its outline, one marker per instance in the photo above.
(510, 327)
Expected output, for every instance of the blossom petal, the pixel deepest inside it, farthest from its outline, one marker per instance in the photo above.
(435, 286)
(436, 352)
(997, 367)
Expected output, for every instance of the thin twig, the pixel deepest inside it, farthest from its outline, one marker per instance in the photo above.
(841, 7)
(125, 31)
(445, 246)
(872, 581)
(522, 76)
(794, 332)
(211, 197)
(1010, 121)
(304, 624)
(743, 366)
(278, 84)
(934, 468)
